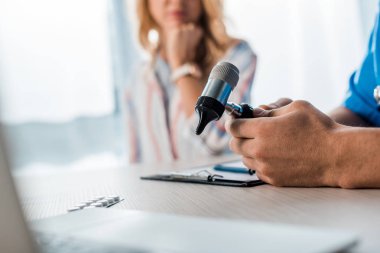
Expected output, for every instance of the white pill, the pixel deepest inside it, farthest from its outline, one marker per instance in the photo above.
(81, 206)
(73, 209)
(110, 201)
(97, 204)
(115, 198)
(104, 202)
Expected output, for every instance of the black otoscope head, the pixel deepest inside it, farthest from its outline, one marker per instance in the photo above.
(211, 104)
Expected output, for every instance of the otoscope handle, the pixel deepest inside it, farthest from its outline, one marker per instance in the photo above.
(247, 111)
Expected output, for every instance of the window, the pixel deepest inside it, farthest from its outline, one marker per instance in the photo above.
(55, 60)
(60, 74)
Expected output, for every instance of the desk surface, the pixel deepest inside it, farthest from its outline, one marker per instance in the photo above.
(52, 193)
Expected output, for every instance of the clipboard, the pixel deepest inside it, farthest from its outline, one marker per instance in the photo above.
(208, 175)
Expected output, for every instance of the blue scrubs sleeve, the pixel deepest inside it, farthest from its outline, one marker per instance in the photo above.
(359, 97)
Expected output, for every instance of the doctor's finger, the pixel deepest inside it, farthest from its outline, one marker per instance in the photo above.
(294, 106)
(279, 103)
(250, 163)
(249, 128)
(253, 164)
(242, 146)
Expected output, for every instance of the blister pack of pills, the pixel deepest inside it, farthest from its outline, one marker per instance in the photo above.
(100, 201)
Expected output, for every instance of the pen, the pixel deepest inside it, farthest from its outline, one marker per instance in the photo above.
(220, 167)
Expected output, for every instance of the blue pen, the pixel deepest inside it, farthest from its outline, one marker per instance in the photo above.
(220, 167)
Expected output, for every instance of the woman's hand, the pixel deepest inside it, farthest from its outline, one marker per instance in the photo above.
(181, 44)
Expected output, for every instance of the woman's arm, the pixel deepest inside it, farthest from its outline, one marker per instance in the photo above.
(190, 88)
(132, 133)
(180, 47)
(215, 136)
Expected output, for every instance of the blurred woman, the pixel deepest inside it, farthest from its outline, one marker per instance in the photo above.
(160, 102)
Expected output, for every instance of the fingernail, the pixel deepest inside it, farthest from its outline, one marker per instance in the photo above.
(258, 112)
(264, 107)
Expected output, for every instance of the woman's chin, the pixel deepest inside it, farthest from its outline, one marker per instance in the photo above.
(175, 23)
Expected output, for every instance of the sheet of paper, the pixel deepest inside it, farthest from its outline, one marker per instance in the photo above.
(226, 175)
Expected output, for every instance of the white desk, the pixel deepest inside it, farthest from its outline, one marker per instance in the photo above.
(356, 210)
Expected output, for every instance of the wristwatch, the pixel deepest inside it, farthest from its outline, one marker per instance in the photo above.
(187, 69)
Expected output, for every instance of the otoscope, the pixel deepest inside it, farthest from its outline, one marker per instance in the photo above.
(212, 103)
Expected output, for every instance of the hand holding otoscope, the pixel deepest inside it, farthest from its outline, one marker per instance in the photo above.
(213, 101)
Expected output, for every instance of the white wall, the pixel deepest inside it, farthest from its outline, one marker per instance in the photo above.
(54, 60)
(306, 49)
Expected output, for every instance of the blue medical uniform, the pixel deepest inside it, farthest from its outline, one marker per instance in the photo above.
(360, 99)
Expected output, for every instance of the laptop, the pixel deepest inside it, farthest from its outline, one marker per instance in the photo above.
(107, 230)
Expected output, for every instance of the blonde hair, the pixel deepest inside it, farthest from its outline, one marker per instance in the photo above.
(212, 46)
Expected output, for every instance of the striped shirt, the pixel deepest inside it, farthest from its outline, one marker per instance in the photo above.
(158, 129)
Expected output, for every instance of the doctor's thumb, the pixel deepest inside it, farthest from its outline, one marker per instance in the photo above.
(259, 113)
